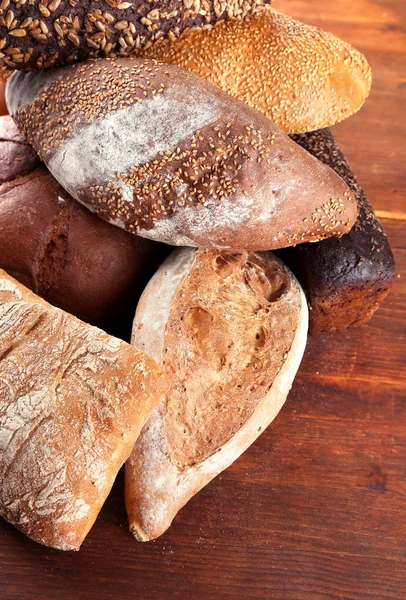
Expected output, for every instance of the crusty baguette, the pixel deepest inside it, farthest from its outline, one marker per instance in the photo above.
(229, 329)
(59, 249)
(208, 172)
(44, 33)
(345, 279)
(72, 403)
(299, 76)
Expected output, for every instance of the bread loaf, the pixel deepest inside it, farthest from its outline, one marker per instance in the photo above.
(299, 76)
(3, 108)
(229, 329)
(45, 33)
(212, 172)
(345, 280)
(17, 157)
(72, 403)
(60, 250)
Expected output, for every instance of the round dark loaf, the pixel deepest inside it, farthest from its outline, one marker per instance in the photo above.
(45, 33)
(159, 152)
(63, 252)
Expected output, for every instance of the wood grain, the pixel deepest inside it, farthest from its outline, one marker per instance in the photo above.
(316, 508)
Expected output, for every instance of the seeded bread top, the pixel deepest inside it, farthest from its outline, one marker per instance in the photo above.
(208, 172)
(44, 33)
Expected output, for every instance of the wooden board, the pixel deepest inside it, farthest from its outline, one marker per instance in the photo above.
(316, 508)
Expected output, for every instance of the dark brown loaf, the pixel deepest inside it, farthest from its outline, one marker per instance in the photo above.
(229, 329)
(210, 172)
(73, 400)
(40, 34)
(345, 279)
(59, 249)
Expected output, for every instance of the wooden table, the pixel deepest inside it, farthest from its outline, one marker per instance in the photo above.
(315, 509)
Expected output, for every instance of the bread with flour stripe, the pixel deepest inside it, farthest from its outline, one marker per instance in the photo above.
(162, 153)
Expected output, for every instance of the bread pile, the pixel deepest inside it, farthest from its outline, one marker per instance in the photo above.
(199, 124)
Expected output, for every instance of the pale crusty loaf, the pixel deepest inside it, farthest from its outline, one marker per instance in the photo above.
(43, 33)
(211, 172)
(229, 329)
(299, 76)
(72, 403)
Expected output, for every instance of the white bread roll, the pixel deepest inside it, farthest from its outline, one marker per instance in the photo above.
(229, 330)
(72, 403)
(162, 153)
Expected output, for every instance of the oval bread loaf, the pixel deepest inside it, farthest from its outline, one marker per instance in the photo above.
(73, 400)
(43, 33)
(159, 152)
(59, 249)
(229, 329)
(299, 76)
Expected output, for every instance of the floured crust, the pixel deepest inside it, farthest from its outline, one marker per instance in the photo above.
(232, 341)
(299, 76)
(214, 172)
(72, 403)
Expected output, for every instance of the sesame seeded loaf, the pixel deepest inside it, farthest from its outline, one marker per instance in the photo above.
(229, 329)
(299, 76)
(59, 249)
(120, 137)
(345, 279)
(45, 33)
(72, 403)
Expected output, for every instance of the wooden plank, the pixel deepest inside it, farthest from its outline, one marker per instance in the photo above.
(316, 508)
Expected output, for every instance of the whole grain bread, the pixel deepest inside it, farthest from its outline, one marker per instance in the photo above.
(159, 152)
(345, 279)
(44, 33)
(60, 250)
(299, 76)
(72, 403)
(229, 329)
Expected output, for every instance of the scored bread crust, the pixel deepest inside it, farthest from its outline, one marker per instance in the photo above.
(166, 468)
(212, 172)
(72, 403)
(299, 76)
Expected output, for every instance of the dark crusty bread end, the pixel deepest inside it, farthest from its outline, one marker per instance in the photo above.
(345, 279)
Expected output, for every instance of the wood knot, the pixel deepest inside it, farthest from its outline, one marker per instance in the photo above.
(377, 479)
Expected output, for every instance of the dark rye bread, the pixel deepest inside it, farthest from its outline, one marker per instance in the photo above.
(45, 33)
(345, 279)
(60, 250)
(162, 153)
